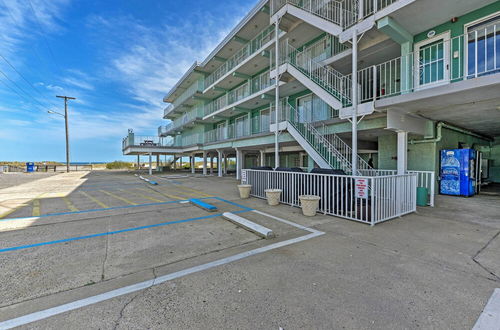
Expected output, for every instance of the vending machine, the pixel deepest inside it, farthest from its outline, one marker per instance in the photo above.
(458, 172)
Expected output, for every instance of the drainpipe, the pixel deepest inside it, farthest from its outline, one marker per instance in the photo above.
(439, 134)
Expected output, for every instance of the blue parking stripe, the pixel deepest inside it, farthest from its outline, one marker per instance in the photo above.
(77, 238)
(233, 203)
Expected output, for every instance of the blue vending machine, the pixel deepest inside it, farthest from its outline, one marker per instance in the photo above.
(458, 172)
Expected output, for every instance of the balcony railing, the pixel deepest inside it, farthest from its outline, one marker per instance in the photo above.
(147, 141)
(257, 125)
(249, 49)
(254, 86)
(188, 93)
(343, 13)
(460, 58)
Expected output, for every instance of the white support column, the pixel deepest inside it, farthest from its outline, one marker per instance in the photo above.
(211, 164)
(204, 163)
(225, 163)
(150, 164)
(219, 163)
(193, 159)
(138, 162)
(180, 162)
(262, 158)
(157, 163)
(277, 93)
(175, 162)
(354, 101)
(239, 163)
(402, 152)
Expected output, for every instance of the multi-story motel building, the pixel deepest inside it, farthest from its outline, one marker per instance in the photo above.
(427, 74)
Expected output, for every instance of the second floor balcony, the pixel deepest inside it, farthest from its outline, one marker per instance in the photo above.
(186, 100)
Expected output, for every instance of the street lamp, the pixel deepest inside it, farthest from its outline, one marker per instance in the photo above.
(66, 98)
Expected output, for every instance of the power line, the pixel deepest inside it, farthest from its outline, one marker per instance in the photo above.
(21, 89)
(43, 36)
(15, 91)
(25, 79)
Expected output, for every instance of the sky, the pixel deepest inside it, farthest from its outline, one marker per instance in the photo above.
(117, 57)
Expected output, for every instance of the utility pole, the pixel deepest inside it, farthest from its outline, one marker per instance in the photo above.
(66, 98)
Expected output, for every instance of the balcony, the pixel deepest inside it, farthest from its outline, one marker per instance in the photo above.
(245, 128)
(147, 142)
(238, 96)
(241, 62)
(185, 99)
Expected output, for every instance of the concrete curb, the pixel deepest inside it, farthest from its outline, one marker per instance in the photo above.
(249, 225)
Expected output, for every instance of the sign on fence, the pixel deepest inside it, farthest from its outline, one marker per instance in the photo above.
(243, 176)
(361, 188)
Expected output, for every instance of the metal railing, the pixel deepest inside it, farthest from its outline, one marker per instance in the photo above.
(332, 81)
(463, 57)
(249, 49)
(332, 149)
(369, 200)
(253, 86)
(188, 93)
(344, 13)
(147, 141)
(426, 179)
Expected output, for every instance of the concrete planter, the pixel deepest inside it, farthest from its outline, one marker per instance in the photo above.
(273, 196)
(244, 190)
(309, 204)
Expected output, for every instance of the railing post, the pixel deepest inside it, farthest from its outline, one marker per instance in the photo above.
(374, 82)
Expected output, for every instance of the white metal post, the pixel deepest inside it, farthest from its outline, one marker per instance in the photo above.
(138, 162)
(157, 163)
(150, 164)
(277, 94)
(211, 164)
(354, 101)
(262, 158)
(192, 164)
(239, 161)
(204, 163)
(402, 152)
(219, 163)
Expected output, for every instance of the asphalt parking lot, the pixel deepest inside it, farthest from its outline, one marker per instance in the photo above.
(100, 234)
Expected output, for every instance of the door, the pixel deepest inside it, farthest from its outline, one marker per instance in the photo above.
(221, 132)
(264, 121)
(432, 61)
(240, 126)
(304, 107)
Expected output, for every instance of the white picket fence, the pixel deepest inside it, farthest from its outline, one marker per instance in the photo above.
(367, 199)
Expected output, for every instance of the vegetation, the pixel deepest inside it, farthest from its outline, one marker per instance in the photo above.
(118, 165)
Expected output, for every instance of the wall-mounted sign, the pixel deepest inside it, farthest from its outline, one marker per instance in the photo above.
(431, 34)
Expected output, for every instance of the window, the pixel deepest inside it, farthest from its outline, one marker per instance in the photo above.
(483, 47)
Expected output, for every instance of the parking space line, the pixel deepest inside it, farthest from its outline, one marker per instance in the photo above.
(118, 197)
(36, 208)
(70, 205)
(170, 195)
(77, 238)
(144, 196)
(40, 315)
(95, 200)
(193, 191)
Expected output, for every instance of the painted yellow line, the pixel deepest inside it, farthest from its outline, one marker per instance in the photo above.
(144, 196)
(3, 215)
(166, 195)
(118, 197)
(70, 205)
(95, 200)
(196, 192)
(36, 208)
(173, 196)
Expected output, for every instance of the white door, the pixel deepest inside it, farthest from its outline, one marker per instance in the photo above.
(304, 107)
(432, 61)
(264, 121)
(221, 131)
(240, 126)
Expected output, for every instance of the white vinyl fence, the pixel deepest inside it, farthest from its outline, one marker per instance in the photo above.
(367, 199)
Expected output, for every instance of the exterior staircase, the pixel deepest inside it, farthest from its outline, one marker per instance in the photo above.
(327, 151)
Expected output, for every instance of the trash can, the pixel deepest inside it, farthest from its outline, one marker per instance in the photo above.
(422, 196)
(30, 167)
